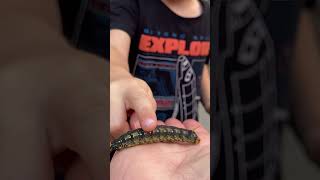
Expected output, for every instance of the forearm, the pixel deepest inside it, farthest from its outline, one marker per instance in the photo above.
(118, 66)
(306, 81)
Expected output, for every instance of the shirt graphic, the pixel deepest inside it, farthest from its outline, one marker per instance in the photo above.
(171, 67)
(186, 94)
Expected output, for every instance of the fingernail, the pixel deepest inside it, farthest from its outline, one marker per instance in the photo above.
(148, 122)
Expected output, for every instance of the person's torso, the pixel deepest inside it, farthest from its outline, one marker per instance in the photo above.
(252, 40)
(168, 52)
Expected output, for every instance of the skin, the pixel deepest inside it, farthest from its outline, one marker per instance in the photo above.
(188, 161)
(205, 88)
(22, 90)
(130, 93)
(53, 97)
(306, 91)
(29, 77)
(184, 8)
(127, 92)
(305, 68)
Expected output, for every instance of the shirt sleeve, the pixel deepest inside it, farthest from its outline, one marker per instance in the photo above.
(124, 15)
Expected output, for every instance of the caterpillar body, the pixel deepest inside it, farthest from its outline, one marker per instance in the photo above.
(162, 133)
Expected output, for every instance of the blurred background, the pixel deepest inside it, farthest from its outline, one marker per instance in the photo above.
(295, 163)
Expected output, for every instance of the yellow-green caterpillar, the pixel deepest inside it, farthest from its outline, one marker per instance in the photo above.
(164, 134)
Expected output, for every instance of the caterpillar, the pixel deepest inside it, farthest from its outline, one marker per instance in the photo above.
(162, 133)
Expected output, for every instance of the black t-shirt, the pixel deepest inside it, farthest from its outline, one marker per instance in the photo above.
(167, 51)
(253, 48)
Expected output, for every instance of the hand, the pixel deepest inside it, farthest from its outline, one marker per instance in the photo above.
(165, 161)
(131, 94)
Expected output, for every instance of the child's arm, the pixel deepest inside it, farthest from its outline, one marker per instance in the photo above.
(119, 52)
(205, 87)
(127, 92)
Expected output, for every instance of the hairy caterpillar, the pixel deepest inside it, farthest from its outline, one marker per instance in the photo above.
(164, 134)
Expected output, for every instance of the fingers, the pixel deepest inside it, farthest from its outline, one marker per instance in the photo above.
(118, 123)
(121, 129)
(192, 124)
(131, 94)
(144, 105)
(145, 87)
(174, 122)
(134, 121)
(160, 123)
(135, 124)
(199, 129)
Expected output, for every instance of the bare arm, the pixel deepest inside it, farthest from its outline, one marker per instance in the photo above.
(205, 88)
(306, 82)
(119, 54)
(127, 92)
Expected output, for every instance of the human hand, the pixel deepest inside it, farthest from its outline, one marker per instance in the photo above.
(131, 94)
(165, 161)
